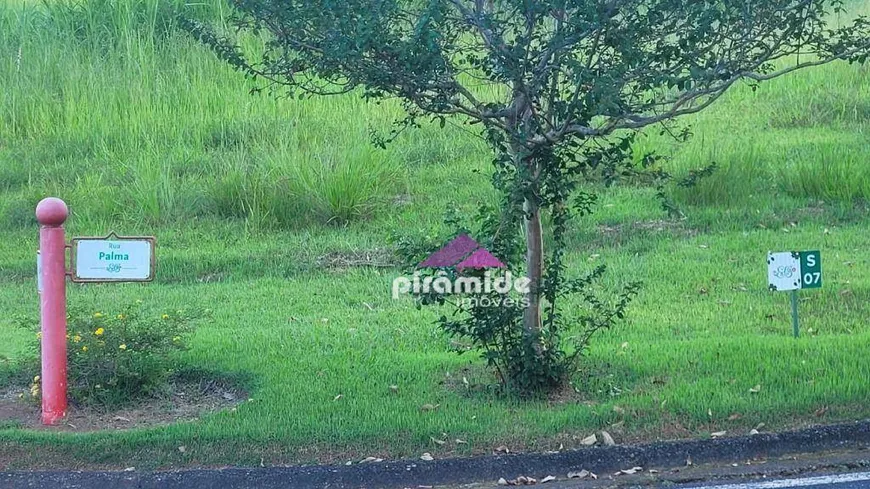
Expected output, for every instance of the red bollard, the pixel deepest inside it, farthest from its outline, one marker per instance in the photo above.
(51, 214)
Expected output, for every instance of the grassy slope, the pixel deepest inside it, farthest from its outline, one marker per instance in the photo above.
(113, 124)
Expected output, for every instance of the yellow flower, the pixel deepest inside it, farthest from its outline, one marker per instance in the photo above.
(98, 315)
(99, 332)
(165, 316)
(176, 339)
(39, 335)
(122, 317)
(77, 338)
(36, 379)
(123, 347)
(67, 336)
(85, 348)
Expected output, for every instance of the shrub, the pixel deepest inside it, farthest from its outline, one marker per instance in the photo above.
(525, 362)
(116, 359)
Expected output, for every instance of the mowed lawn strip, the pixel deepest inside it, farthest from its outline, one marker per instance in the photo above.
(668, 371)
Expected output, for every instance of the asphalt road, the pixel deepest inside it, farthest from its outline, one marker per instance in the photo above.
(840, 481)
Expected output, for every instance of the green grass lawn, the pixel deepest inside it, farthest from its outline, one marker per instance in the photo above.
(143, 132)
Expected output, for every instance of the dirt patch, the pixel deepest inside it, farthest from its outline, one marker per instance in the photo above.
(185, 401)
(677, 227)
(342, 260)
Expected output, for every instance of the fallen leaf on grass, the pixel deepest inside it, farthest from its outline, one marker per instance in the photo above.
(460, 442)
(606, 439)
(734, 417)
(369, 460)
(182, 449)
(753, 431)
(429, 407)
(337, 397)
(821, 411)
(427, 457)
(718, 434)
(121, 418)
(437, 441)
(618, 410)
(756, 389)
(394, 389)
(589, 440)
(502, 449)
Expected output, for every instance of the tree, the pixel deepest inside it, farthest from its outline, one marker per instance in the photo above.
(558, 86)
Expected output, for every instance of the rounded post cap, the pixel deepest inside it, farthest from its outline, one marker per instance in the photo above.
(51, 211)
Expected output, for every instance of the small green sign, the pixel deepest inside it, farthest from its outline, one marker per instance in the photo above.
(792, 271)
(811, 269)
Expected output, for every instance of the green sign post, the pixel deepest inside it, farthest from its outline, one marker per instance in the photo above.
(792, 271)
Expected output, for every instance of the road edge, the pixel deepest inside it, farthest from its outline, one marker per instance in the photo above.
(453, 471)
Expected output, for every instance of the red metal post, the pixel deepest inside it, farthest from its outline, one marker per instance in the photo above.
(51, 214)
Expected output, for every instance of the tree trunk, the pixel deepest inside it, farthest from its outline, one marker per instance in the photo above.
(534, 267)
(519, 115)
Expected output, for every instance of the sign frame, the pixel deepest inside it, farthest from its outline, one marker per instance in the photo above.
(152, 272)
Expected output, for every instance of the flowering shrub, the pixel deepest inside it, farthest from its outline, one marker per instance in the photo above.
(116, 358)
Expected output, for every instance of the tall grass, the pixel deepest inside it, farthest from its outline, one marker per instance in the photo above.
(107, 103)
(803, 135)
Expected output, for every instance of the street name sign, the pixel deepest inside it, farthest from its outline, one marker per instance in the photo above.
(113, 259)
